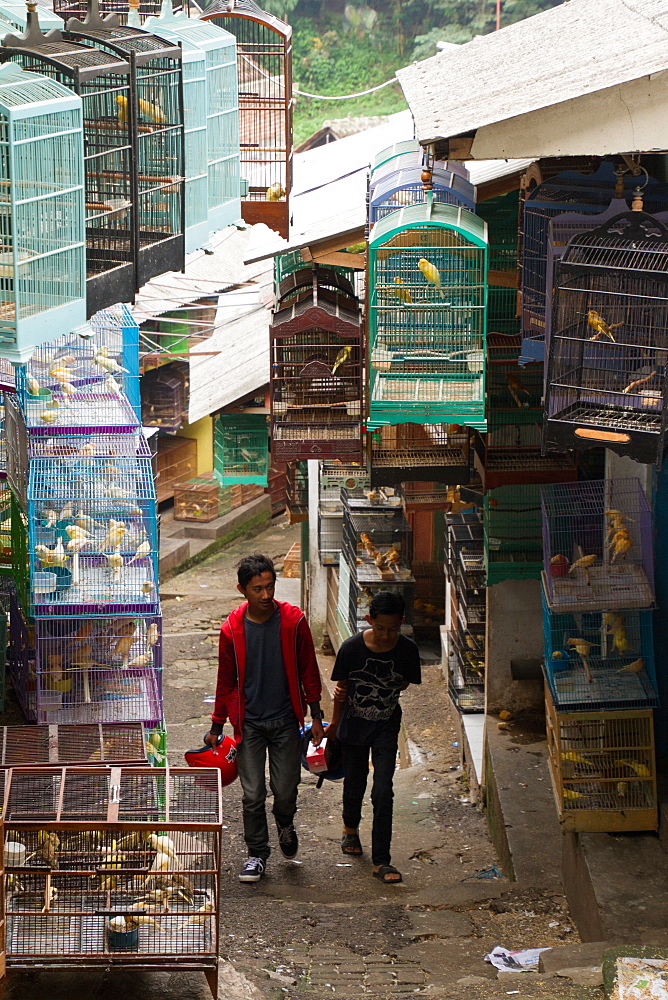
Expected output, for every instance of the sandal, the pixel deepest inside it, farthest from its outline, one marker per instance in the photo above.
(351, 844)
(386, 870)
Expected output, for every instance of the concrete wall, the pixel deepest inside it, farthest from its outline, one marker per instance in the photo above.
(514, 631)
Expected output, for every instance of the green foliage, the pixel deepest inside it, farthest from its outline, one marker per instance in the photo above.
(280, 8)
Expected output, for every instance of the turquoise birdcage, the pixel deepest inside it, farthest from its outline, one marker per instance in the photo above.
(156, 115)
(501, 216)
(292, 262)
(194, 127)
(103, 84)
(241, 449)
(513, 541)
(222, 109)
(14, 12)
(427, 317)
(398, 154)
(42, 249)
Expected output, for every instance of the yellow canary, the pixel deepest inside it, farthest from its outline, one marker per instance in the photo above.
(571, 796)
(33, 385)
(633, 668)
(275, 192)
(122, 112)
(575, 758)
(515, 387)
(341, 358)
(602, 328)
(402, 292)
(203, 914)
(584, 563)
(142, 551)
(51, 557)
(152, 634)
(640, 769)
(621, 543)
(153, 112)
(430, 271)
(115, 535)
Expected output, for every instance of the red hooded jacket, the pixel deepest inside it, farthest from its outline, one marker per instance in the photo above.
(299, 660)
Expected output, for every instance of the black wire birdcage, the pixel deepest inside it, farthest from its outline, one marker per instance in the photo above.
(155, 111)
(420, 453)
(165, 395)
(104, 85)
(606, 377)
(378, 546)
(316, 373)
(264, 61)
(296, 492)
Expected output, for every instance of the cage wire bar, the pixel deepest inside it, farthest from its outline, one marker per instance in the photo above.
(222, 109)
(420, 453)
(98, 670)
(427, 317)
(42, 238)
(566, 192)
(165, 395)
(378, 546)
(512, 521)
(597, 546)
(606, 377)
(600, 659)
(501, 216)
(124, 9)
(33, 746)
(103, 83)
(155, 111)
(296, 492)
(266, 104)
(404, 186)
(603, 769)
(121, 867)
(93, 536)
(241, 449)
(287, 264)
(316, 372)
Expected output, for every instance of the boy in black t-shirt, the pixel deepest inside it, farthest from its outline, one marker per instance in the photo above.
(371, 670)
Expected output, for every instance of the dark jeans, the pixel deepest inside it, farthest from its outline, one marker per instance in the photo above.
(356, 767)
(281, 739)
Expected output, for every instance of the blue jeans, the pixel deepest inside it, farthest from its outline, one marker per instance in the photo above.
(281, 739)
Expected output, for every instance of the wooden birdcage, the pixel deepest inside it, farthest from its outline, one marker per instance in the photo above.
(602, 768)
(427, 317)
(42, 229)
(316, 373)
(176, 463)
(103, 83)
(198, 499)
(94, 745)
(155, 112)
(165, 395)
(296, 492)
(113, 867)
(420, 453)
(264, 54)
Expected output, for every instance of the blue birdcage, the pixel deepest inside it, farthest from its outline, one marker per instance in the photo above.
(221, 108)
(600, 659)
(155, 112)
(92, 535)
(103, 84)
(42, 235)
(427, 317)
(404, 187)
(241, 449)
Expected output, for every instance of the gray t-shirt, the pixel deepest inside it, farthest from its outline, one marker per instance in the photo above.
(265, 684)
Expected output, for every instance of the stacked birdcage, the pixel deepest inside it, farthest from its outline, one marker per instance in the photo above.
(200, 499)
(377, 550)
(420, 453)
(334, 476)
(405, 186)
(317, 369)
(510, 452)
(513, 544)
(296, 492)
(427, 317)
(467, 612)
(113, 866)
(598, 595)
(501, 216)
(85, 745)
(165, 396)
(606, 375)
(241, 449)
(264, 53)
(42, 228)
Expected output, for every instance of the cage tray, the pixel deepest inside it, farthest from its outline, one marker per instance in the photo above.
(609, 689)
(611, 586)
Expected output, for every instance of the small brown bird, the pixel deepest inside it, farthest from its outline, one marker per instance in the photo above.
(633, 668)
(621, 543)
(515, 387)
(584, 564)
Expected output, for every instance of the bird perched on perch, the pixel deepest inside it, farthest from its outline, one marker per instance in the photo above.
(584, 563)
(142, 551)
(572, 796)
(115, 535)
(620, 543)
(161, 863)
(275, 192)
(602, 328)
(201, 917)
(47, 850)
(393, 555)
(575, 758)
(107, 364)
(430, 272)
(341, 358)
(380, 560)
(162, 844)
(153, 112)
(402, 292)
(515, 387)
(152, 635)
(115, 563)
(636, 766)
(582, 648)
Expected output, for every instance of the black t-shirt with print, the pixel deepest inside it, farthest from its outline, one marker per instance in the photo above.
(375, 681)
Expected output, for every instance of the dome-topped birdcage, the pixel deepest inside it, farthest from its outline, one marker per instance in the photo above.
(264, 53)
(103, 83)
(220, 106)
(404, 186)
(155, 112)
(606, 376)
(427, 317)
(42, 234)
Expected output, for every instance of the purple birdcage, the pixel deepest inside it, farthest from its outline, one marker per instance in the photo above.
(104, 670)
(597, 546)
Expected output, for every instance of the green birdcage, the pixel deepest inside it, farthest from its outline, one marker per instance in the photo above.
(241, 449)
(427, 317)
(513, 547)
(501, 216)
(42, 227)
(289, 263)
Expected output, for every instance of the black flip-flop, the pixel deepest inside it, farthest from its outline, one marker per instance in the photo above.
(386, 870)
(351, 844)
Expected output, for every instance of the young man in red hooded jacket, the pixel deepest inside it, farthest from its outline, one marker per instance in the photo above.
(267, 675)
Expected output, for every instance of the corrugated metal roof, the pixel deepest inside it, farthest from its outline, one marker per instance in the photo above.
(576, 49)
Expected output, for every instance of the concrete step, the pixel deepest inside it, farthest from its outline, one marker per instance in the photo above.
(173, 552)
